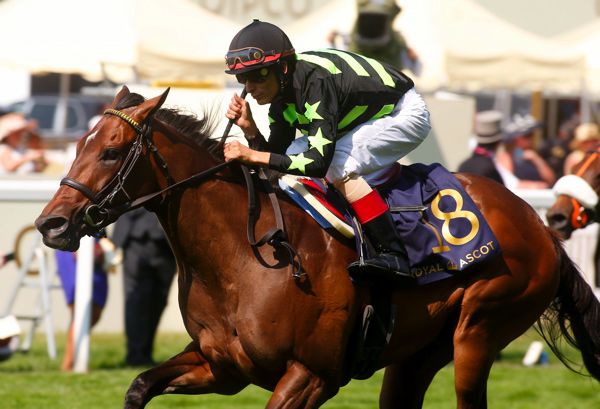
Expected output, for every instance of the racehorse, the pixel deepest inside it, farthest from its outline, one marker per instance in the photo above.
(577, 204)
(253, 321)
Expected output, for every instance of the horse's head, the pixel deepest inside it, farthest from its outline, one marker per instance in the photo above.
(112, 167)
(577, 202)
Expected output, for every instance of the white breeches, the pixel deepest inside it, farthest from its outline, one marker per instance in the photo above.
(372, 147)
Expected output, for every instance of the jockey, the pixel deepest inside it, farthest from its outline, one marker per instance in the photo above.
(357, 117)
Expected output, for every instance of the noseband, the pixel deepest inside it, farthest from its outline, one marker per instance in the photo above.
(584, 199)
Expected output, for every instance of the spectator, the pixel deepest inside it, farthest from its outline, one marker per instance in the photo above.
(67, 266)
(488, 133)
(555, 151)
(521, 159)
(19, 145)
(148, 270)
(587, 136)
(373, 35)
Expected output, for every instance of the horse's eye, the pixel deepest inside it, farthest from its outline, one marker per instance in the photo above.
(111, 154)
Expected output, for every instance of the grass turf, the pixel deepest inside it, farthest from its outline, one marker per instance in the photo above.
(31, 380)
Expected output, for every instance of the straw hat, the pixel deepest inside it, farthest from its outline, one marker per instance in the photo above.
(584, 133)
(487, 127)
(13, 122)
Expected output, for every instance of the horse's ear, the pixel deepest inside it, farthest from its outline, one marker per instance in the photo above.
(148, 108)
(120, 95)
(161, 100)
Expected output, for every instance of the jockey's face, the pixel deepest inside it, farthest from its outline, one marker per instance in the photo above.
(262, 84)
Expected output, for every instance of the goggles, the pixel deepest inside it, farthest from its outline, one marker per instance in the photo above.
(256, 76)
(246, 57)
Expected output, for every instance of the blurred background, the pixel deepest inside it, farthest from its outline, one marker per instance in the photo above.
(62, 61)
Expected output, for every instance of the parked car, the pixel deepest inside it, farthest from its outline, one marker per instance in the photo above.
(43, 108)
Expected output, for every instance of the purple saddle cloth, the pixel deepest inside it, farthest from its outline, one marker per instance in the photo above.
(441, 227)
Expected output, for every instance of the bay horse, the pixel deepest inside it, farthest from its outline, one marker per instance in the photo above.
(251, 321)
(577, 203)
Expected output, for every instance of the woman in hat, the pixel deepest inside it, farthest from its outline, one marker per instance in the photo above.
(587, 136)
(15, 155)
(521, 159)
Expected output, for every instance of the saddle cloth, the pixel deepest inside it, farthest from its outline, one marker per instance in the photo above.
(441, 227)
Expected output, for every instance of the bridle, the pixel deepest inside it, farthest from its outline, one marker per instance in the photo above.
(584, 199)
(101, 211)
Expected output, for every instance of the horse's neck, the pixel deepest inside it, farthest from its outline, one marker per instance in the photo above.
(183, 157)
(204, 219)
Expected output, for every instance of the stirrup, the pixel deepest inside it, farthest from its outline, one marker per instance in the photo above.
(381, 268)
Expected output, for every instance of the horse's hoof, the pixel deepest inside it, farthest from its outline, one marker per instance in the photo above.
(134, 398)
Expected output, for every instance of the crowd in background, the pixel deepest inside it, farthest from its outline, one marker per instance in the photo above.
(509, 154)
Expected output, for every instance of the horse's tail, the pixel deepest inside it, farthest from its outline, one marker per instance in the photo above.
(574, 313)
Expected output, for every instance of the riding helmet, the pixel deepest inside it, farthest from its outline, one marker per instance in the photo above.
(257, 45)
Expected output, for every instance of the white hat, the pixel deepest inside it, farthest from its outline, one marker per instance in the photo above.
(13, 122)
(585, 132)
(487, 126)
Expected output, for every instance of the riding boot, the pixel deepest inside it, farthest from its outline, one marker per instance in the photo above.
(391, 260)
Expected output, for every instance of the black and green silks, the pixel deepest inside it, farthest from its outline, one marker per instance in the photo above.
(329, 93)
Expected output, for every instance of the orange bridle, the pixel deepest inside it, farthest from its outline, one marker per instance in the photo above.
(579, 216)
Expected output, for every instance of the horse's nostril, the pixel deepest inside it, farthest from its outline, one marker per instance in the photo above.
(52, 225)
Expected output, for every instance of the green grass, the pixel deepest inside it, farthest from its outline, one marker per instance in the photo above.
(31, 380)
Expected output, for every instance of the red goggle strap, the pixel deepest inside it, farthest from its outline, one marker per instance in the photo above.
(266, 56)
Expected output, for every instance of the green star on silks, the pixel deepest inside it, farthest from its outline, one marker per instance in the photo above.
(318, 141)
(299, 162)
(311, 111)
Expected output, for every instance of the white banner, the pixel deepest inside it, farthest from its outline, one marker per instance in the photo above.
(274, 11)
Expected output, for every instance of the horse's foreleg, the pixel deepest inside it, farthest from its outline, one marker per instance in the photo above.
(185, 373)
(300, 388)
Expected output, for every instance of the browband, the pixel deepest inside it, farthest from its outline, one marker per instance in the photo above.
(135, 124)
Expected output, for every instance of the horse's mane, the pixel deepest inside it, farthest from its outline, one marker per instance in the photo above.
(199, 130)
